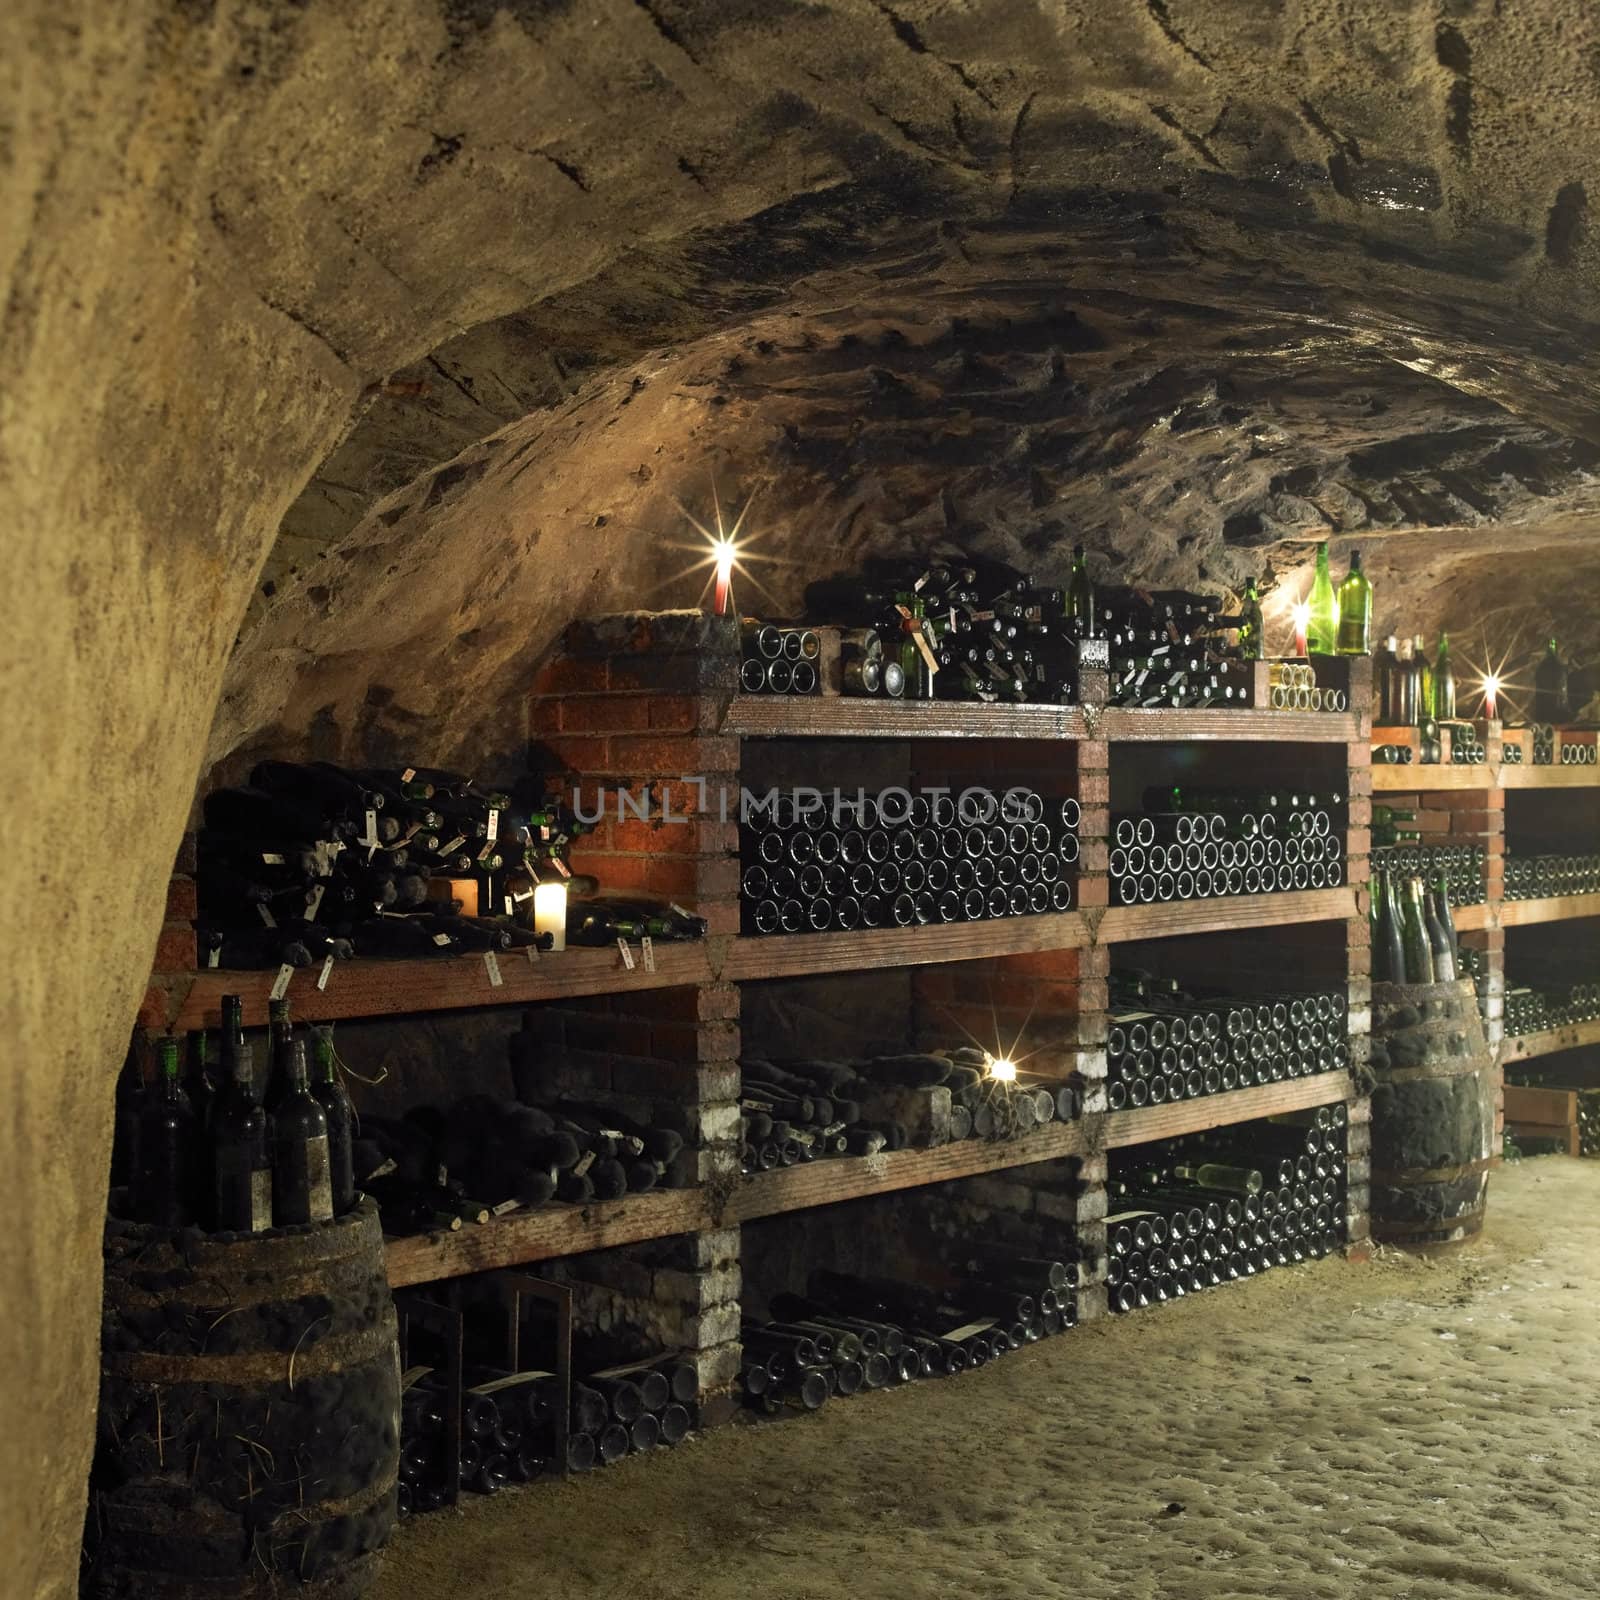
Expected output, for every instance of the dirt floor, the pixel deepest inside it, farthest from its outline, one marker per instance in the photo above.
(1407, 1428)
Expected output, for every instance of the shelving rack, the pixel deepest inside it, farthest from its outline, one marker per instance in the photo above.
(652, 703)
(1458, 804)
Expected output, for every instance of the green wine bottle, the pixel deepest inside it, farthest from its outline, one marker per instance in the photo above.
(1322, 629)
(1394, 954)
(1423, 668)
(1355, 611)
(1216, 1175)
(1252, 631)
(1444, 683)
(1079, 607)
(1414, 936)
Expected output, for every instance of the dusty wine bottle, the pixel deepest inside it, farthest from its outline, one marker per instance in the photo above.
(330, 1094)
(241, 1156)
(163, 1154)
(302, 1189)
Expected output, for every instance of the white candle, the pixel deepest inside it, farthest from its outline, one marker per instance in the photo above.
(550, 912)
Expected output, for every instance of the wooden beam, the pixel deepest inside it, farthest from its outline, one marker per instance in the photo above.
(1124, 1128)
(1515, 1047)
(1167, 919)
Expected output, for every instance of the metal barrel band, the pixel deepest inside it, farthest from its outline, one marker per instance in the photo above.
(1399, 1176)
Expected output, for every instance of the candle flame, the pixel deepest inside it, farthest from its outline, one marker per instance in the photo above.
(1300, 614)
(1002, 1070)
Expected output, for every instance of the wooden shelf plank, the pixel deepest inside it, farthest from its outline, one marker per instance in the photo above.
(1286, 727)
(520, 1239)
(1470, 919)
(1124, 1128)
(1526, 1046)
(1556, 908)
(1168, 919)
(1403, 780)
(452, 983)
(821, 1183)
(793, 955)
(1553, 777)
(775, 716)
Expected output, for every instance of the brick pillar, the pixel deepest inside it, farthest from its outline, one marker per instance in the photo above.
(1358, 973)
(1094, 828)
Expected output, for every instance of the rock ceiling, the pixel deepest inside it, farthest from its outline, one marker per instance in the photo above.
(1196, 283)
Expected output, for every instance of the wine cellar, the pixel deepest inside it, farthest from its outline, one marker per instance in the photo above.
(806, 799)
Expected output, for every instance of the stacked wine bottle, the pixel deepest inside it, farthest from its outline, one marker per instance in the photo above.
(806, 1110)
(865, 865)
(1164, 1043)
(315, 861)
(1414, 937)
(1466, 749)
(1188, 1214)
(483, 1157)
(851, 1332)
(508, 1432)
(779, 660)
(1465, 865)
(1293, 686)
(1191, 844)
(1550, 876)
(1163, 654)
(238, 1149)
(1537, 1010)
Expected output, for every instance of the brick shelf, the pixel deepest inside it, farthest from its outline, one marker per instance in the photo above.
(1528, 1046)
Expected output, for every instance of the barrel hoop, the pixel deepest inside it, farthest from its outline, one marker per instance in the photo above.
(252, 1369)
(1469, 1222)
(221, 1294)
(1410, 1175)
(1460, 1067)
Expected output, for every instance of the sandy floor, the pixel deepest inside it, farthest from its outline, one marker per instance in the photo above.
(1402, 1429)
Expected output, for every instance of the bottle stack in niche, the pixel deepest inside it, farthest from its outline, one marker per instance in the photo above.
(1168, 1043)
(1414, 936)
(851, 1332)
(877, 862)
(798, 1111)
(1194, 843)
(235, 1149)
(1397, 849)
(1191, 1213)
(1548, 876)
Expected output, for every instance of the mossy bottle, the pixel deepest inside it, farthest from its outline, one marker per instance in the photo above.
(1251, 629)
(1322, 628)
(302, 1187)
(1355, 610)
(241, 1158)
(330, 1094)
(1414, 936)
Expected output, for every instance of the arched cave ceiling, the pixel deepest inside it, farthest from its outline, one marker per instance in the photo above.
(1195, 282)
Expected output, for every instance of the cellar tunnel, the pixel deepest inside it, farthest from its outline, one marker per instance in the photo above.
(351, 352)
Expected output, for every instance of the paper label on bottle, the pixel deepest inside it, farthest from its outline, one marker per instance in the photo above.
(261, 1199)
(673, 906)
(314, 902)
(585, 1161)
(969, 1330)
(649, 951)
(505, 1208)
(266, 914)
(319, 1179)
(442, 1176)
(531, 952)
(214, 956)
(454, 845)
(389, 1165)
(494, 824)
(408, 775)
(491, 964)
(561, 866)
(519, 895)
(487, 851)
(413, 1376)
(756, 1105)
(280, 984)
(326, 973)
(508, 902)
(627, 954)
(624, 1141)
(370, 835)
(441, 939)
(271, 858)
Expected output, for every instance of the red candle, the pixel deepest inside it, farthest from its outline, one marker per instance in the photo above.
(723, 550)
(1302, 618)
(1491, 687)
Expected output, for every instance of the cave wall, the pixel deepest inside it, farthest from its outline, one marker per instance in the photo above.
(460, 295)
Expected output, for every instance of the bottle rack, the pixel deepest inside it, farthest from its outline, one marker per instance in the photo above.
(651, 701)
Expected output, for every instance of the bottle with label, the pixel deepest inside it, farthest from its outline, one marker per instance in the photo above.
(1252, 631)
(241, 1157)
(302, 1184)
(1322, 628)
(1404, 702)
(1355, 610)
(1550, 687)
(1386, 676)
(330, 1094)
(1440, 901)
(1391, 954)
(1444, 683)
(164, 1148)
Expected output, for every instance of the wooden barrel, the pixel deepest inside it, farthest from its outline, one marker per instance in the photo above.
(1432, 1114)
(249, 1430)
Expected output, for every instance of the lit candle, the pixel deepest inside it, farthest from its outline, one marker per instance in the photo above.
(1003, 1071)
(1302, 619)
(1491, 689)
(722, 549)
(550, 912)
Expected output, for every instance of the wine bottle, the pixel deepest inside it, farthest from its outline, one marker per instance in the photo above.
(280, 1044)
(1393, 942)
(1447, 921)
(1355, 611)
(329, 1093)
(1550, 687)
(1079, 608)
(1219, 1175)
(1252, 629)
(1387, 677)
(302, 1188)
(1439, 941)
(1322, 628)
(1423, 668)
(241, 1155)
(1404, 707)
(1444, 683)
(1414, 936)
(164, 1148)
